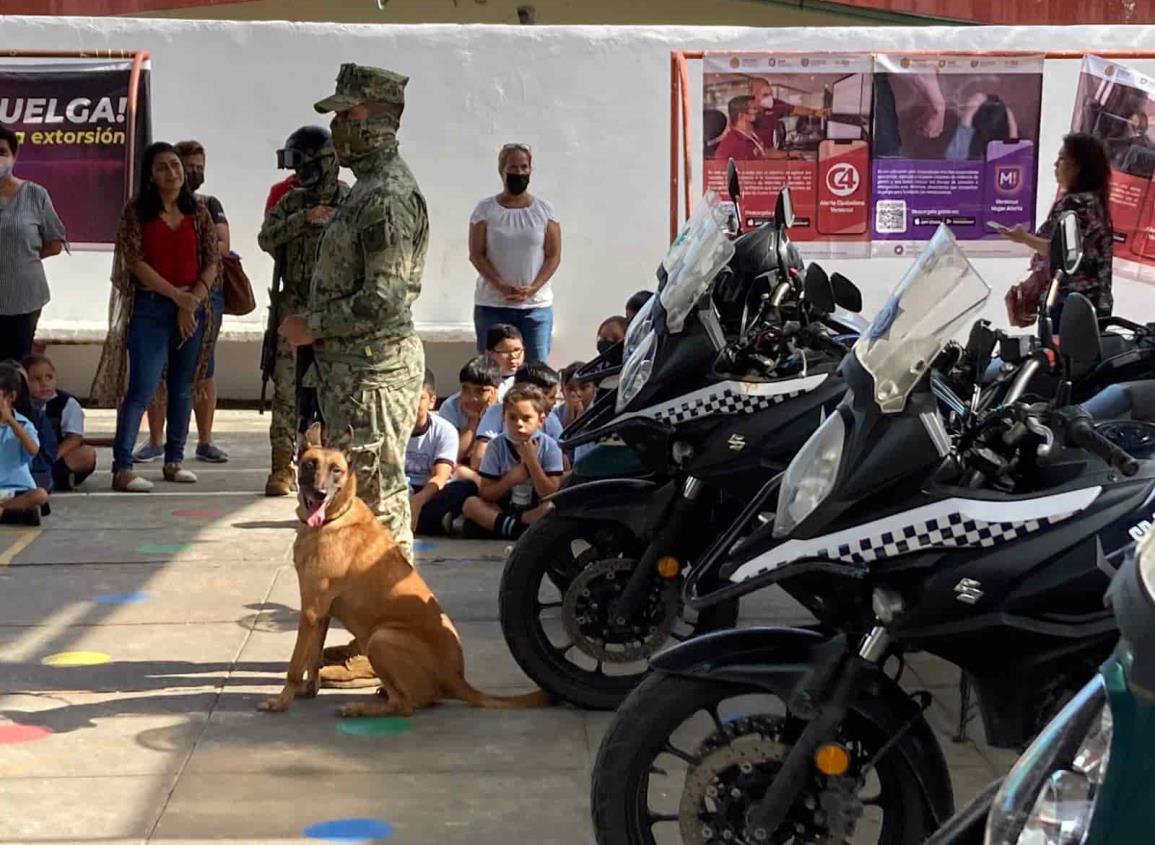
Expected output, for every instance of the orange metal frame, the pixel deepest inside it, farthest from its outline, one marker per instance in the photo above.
(139, 57)
(680, 107)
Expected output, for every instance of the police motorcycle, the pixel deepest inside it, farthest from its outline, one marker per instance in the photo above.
(728, 355)
(989, 550)
(1087, 778)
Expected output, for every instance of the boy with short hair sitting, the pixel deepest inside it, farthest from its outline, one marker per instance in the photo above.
(480, 379)
(521, 467)
(74, 461)
(505, 345)
(492, 424)
(429, 461)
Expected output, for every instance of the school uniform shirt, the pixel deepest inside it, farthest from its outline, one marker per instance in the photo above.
(71, 415)
(492, 424)
(15, 463)
(501, 458)
(503, 388)
(436, 444)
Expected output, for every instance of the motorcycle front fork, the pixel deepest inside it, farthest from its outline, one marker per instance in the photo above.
(665, 540)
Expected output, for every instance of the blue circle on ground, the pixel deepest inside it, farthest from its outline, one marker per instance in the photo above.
(121, 598)
(424, 546)
(350, 830)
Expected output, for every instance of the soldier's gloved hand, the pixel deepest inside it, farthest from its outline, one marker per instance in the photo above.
(295, 329)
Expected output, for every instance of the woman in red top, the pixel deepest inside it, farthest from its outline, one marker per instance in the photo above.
(164, 271)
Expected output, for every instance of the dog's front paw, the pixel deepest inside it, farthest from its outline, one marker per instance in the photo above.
(277, 704)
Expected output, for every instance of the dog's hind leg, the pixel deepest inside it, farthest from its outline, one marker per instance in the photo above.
(405, 663)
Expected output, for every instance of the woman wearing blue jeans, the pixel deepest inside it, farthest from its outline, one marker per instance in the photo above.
(515, 244)
(164, 273)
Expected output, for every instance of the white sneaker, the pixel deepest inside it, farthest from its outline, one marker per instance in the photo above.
(179, 475)
(128, 482)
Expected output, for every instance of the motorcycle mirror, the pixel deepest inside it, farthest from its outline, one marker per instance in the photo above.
(817, 290)
(784, 209)
(733, 183)
(1066, 244)
(846, 293)
(1079, 336)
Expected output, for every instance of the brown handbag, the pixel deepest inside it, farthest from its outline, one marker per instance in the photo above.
(1023, 299)
(239, 299)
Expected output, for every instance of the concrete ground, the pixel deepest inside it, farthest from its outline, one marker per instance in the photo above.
(138, 634)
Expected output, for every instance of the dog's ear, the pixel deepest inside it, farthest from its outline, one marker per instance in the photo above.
(314, 436)
(344, 442)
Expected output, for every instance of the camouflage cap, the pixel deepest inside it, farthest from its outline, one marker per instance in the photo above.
(358, 84)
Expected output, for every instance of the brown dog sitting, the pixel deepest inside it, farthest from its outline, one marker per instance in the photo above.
(349, 566)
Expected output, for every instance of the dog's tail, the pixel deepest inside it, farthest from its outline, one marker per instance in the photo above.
(463, 691)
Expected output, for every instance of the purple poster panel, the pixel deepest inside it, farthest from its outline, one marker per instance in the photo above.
(71, 118)
(955, 142)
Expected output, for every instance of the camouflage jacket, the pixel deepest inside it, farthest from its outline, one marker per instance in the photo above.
(287, 226)
(369, 266)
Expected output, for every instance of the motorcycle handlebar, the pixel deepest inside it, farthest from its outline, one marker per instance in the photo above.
(1081, 433)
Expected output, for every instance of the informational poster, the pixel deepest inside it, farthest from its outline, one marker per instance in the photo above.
(71, 118)
(955, 141)
(797, 120)
(1113, 103)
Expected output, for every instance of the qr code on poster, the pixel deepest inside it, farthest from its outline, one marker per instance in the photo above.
(890, 216)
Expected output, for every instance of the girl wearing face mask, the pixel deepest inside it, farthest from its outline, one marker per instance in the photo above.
(30, 231)
(515, 245)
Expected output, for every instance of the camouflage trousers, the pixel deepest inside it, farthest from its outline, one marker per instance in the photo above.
(380, 406)
(285, 412)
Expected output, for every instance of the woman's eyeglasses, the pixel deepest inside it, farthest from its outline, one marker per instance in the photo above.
(523, 147)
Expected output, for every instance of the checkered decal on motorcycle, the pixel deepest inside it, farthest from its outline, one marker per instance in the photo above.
(952, 531)
(728, 402)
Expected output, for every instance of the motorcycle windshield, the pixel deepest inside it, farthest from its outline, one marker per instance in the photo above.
(696, 256)
(938, 295)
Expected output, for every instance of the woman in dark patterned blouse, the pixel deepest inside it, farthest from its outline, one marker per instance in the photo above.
(1083, 172)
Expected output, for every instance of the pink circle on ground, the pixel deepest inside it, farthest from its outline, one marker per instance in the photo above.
(199, 514)
(12, 734)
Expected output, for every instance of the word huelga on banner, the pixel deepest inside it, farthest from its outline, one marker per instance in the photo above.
(797, 120)
(72, 120)
(955, 141)
(1113, 103)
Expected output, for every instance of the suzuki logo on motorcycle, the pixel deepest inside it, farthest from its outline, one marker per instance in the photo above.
(842, 179)
(736, 442)
(968, 591)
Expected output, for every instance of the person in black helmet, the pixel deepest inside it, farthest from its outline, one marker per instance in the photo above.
(291, 233)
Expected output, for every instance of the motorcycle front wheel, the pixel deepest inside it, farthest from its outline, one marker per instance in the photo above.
(684, 760)
(558, 584)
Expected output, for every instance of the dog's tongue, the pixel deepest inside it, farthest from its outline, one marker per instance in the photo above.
(317, 518)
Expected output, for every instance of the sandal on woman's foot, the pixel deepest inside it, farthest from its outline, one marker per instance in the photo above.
(178, 474)
(127, 481)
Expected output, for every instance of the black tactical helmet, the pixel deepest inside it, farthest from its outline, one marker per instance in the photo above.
(303, 146)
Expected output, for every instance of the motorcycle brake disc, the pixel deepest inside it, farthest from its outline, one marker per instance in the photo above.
(706, 786)
(586, 611)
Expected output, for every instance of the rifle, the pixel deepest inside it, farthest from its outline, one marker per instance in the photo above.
(269, 341)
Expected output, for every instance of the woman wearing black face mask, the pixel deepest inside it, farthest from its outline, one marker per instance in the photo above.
(515, 244)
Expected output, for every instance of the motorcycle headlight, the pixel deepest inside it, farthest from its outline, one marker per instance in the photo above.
(811, 475)
(1049, 796)
(636, 371)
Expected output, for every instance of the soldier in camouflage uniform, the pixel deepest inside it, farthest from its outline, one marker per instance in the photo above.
(370, 362)
(291, 234)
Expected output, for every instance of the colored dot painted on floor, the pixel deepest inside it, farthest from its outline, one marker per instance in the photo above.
(121, 598)
(377, 726)
(424, 546)
(164, 548)
(76, 658)
(206, 513)
(13, 734)
(350, 830)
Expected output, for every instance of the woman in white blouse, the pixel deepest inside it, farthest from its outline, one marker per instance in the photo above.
(515, 244)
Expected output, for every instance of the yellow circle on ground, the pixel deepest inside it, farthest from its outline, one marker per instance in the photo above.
(76, 658)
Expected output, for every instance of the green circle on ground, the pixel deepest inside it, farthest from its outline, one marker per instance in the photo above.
(375, 726)
(164, 548)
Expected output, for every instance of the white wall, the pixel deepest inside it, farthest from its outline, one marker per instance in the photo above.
(592, 101)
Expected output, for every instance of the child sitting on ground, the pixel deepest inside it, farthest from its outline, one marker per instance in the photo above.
(504, 344)
(529, 375)
(634, 304)
(429, 461)
(73, 461)
(522, 466)
(611, 332)
(576, 396)
(20, 498)
(480, 379)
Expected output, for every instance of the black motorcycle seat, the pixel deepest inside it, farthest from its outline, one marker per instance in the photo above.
(1132, 400)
